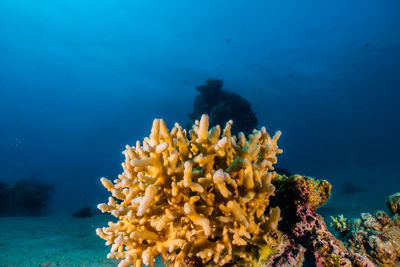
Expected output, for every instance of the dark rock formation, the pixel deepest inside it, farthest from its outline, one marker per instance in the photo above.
(298, 196)
(28, 197)
(351, 188)
(85, 212)
(222, 106)
(4, 197)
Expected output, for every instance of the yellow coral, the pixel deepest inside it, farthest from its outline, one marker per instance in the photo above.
(340, 223)
(199, 195)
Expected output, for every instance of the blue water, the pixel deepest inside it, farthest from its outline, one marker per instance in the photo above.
(81, 79)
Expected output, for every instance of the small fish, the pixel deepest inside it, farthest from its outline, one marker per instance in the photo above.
(16, 141)
(351, 188)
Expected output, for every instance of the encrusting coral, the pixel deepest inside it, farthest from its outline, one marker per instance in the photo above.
(298, 196)
(200, 194)
(376, 236)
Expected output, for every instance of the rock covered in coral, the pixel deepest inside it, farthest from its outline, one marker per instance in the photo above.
(393, 203)
(376, 236)
(298, 190)
(298, 196)
(223, 106)
(292, 254)
(198, 194)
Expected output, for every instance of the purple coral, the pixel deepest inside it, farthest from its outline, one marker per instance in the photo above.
(298, 196)
(291, 255)
(312, 233)
(375, 236)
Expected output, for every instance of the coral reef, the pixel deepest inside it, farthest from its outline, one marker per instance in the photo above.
(28, 197)
(376, 236)
(196, 195)
(393, 204)
(209, 198)
(298, 196)
(222, 106)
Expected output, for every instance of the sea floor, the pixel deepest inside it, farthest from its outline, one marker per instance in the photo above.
(63, 240)
(59, 240)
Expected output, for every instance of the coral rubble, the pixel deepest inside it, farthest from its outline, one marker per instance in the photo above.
(221, 106)
(200, 194)
(376, 236)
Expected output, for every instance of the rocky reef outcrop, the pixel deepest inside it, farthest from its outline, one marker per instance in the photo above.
(222, 106)
(373, 235)
(27, 197)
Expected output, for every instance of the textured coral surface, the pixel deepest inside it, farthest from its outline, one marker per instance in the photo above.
(199, 194)
(208, 198)
(376, 236)
(298, 196)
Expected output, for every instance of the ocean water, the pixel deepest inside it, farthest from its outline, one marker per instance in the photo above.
(81, 79)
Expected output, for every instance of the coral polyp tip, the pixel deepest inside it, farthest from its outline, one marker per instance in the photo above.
(197, 195)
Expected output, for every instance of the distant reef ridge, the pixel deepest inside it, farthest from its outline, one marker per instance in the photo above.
(27, 197)
(222, 106)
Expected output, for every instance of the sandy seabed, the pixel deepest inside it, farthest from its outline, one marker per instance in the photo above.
(63, 240)
(56, 240)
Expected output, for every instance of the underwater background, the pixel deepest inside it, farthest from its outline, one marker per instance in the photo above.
(81, 79)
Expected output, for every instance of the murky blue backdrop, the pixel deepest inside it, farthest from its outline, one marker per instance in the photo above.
(80, 79)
